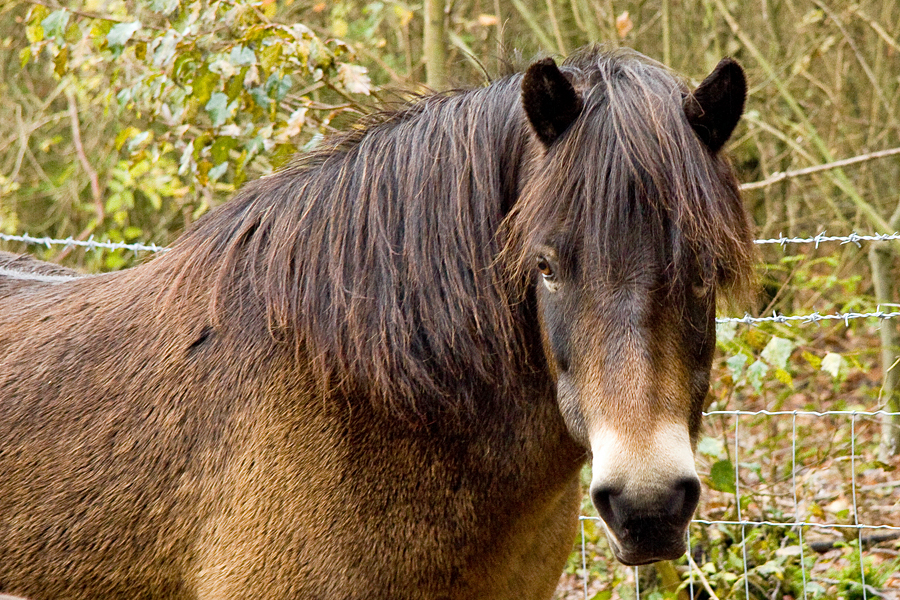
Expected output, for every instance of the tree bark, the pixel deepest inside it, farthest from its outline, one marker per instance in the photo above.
(435, 50)
(881, 260)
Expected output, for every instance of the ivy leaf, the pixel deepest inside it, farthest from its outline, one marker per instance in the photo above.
(784, 377)
(217, 171)
(260, 97)
(812, 359)
(122, 32)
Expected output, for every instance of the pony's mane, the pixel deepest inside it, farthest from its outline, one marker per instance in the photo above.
(636, 155)
(384, 258)
(375, 256)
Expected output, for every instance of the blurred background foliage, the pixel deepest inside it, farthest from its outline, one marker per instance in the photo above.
(128, 119)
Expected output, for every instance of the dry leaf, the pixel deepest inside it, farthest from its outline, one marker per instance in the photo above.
(624, 24)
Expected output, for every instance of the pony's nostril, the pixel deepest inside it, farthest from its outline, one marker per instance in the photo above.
(604, 499)
(684, 499)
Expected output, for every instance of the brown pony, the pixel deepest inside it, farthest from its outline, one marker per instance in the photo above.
(377, 373)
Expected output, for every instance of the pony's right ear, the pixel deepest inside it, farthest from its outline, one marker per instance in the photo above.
(549, 99)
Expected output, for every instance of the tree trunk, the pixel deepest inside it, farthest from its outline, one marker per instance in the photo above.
(880, 259)
(435, 50)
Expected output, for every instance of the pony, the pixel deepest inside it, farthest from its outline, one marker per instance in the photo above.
(378, 372)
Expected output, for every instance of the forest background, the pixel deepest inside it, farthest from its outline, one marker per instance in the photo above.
(128, 120)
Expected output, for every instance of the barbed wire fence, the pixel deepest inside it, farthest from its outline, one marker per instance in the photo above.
(797, 520)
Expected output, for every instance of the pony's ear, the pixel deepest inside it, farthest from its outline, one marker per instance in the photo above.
(715, 107)
(550, 101)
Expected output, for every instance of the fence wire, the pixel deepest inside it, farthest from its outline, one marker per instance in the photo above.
(799, 522)
(89, 243)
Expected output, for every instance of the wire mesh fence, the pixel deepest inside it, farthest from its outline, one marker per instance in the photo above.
(780, 517)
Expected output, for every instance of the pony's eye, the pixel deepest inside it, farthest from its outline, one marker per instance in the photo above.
(544, 267)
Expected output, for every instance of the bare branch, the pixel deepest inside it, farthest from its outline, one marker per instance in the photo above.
(781, 176)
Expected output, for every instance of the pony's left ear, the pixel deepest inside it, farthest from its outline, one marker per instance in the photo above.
(715, 107)
(549, 99)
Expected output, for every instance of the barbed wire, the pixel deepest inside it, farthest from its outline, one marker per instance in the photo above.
(815, 317)
(89, 243)
(92, 244)
(853, 238)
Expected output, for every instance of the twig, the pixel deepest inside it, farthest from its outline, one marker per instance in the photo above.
(867, 540)
(781, 176)
(82, 158)
(706, 586)
(91, 173)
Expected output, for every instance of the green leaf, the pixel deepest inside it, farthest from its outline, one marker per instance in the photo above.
(784, 377)
(220, 149)
(120, 33)
(34, 34)
(736, 365)
(218, 171)
(710, 446)
(725, 332)
(203, 84)
(73, 33)
(37, 13)
(755, 374)
(777, 351)
(812, 359)
(260, 97)
(61, 61)
(164, 50)
(269, 56)
(242, 56)
(219, 109)
(281, 86)
(55, 23)
(722, 476)
(164, 7)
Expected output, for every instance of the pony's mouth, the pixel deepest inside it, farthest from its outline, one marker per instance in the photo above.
(645, 550)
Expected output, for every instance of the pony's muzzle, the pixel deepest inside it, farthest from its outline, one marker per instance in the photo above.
(647, 528)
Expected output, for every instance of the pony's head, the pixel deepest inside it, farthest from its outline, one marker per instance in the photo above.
(631, 226)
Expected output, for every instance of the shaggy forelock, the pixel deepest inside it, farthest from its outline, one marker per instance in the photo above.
(631, 170)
